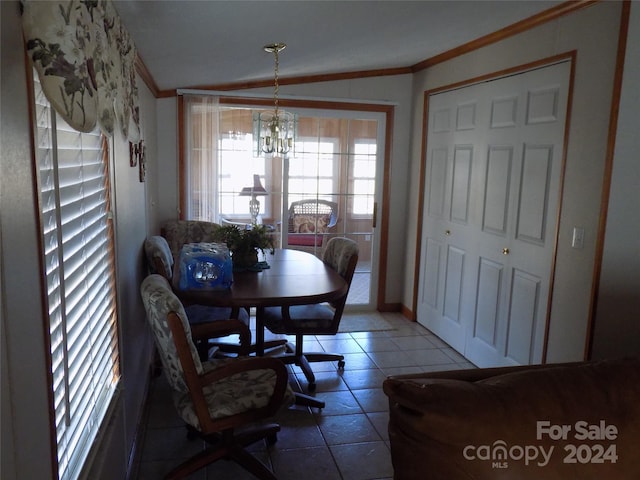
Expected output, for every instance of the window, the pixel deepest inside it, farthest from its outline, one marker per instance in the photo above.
(220, 159)
(79, 268)
(364, 178)
(338, 157)
(314, 173)
(334, 157)
(237, 167)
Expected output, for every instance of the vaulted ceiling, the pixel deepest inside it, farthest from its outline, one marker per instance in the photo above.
(215, 42)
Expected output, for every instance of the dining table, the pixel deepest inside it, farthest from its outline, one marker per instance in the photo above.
(292, 277)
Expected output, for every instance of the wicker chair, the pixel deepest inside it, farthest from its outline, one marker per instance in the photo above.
(309, 221)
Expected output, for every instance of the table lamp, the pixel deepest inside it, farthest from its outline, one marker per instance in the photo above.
(253, 192)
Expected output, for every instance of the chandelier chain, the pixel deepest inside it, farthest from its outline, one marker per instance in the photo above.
(276, 129)
(277, 87)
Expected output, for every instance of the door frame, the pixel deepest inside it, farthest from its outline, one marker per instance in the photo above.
(571, 56)
(381, 141)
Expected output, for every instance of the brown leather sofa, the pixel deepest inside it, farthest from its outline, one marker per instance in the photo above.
(576, 421)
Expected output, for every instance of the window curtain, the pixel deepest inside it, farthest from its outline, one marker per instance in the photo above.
(85, 60)
(202, 121)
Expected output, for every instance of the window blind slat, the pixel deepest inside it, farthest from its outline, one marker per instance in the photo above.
(81, 230)
(80, 285)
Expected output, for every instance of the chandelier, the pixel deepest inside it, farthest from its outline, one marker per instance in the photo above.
(275, 130)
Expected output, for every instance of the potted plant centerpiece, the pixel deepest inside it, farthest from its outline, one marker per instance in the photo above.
(245, 243)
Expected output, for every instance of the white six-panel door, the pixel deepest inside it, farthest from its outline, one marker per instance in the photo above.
(494, 162)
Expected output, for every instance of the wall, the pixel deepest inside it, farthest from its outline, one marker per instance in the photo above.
(394, 89)
(129, 206)
(166, 206)
(141, 208)
(617, 326)
(25, 404)
(593, 32)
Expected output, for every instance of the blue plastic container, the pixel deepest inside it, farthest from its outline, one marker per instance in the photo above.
(205, 266)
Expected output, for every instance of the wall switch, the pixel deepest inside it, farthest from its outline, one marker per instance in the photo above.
(577, 241)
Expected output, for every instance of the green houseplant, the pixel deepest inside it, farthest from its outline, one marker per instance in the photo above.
(245, 243)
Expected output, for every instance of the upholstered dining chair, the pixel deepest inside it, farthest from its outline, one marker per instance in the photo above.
(217, 397)
(160, 261)
(179, 232)
(341, 254)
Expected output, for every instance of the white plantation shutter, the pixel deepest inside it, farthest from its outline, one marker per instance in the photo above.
(78, 254)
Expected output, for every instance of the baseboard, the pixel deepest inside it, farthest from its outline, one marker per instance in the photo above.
(408, 313)
(397, 307)
(136, 447)
(389, 307)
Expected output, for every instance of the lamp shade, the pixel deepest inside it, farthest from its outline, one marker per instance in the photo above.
(255, 190)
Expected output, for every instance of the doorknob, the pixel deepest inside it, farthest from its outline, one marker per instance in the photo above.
(505, 251)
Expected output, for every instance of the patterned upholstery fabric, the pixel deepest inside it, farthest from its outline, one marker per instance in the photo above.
(157, 248)
(310, 223)
(232, 395)
(179, 232)
(159, 301)
(338, 252)
(235, 394)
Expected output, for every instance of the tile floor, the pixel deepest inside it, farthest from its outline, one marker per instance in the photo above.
(347, 440)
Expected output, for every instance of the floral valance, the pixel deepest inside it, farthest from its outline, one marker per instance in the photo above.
(85, 60)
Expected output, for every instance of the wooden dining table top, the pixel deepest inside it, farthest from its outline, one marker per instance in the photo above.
(293, 278)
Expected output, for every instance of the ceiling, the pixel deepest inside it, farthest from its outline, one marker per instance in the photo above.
(215, 42)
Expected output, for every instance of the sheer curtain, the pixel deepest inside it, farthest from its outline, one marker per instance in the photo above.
(202, 119)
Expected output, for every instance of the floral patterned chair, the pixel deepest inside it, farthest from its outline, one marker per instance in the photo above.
(160, 261)
(341, 254)
(179, 232)
(217, 397)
